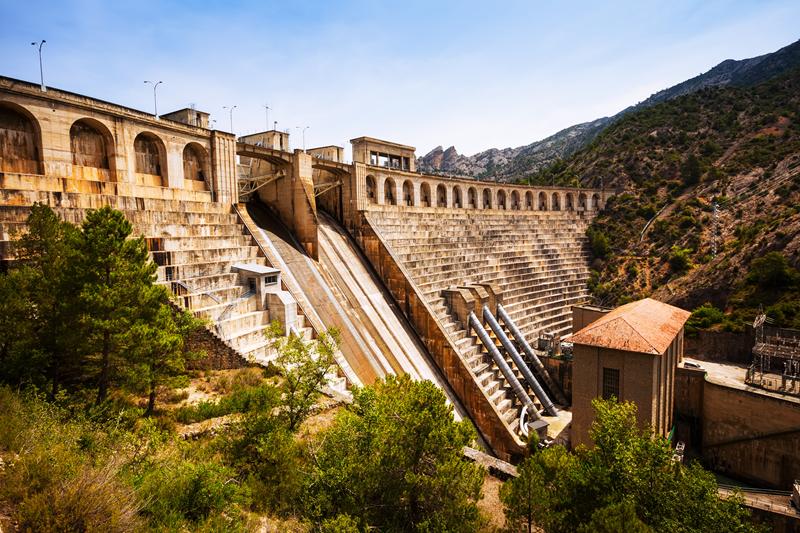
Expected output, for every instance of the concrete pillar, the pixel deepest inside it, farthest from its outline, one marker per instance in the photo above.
(379, 194)
(415, 185)
(174, 165)
(304, 206)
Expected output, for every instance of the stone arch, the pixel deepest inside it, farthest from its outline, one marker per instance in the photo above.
(501, 199)
(542, 201)
(595, 201)
(20, 140)
(515, 200)
(425, 194)
(91, 144)
(389, 189)
(195, 162)
(441, 196)
(151, 156)
(529, 201)
(371, 196)
(569, 202)
(472, 198)
(408, 193)
(582, 200)
(457, 197)
(555, 202)
(487, 199)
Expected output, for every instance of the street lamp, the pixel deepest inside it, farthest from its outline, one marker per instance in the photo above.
(266, 110)
(304, 135)
(155, 101)
(230, 112)
(41, 70)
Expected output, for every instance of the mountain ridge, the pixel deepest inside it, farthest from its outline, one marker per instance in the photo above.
(513, 164)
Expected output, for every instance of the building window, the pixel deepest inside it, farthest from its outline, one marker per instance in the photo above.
(610, 383)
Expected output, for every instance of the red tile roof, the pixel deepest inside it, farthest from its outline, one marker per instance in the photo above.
(644, 326)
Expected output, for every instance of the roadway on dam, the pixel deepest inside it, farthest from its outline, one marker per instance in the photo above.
(346, 293)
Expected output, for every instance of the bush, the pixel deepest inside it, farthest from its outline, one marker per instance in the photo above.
(240, 401)
(598, 243)
(680, 259)
(772, 271)
(92, 501)
(179, 490)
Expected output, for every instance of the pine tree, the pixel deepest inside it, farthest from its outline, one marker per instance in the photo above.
(161, 352)
(47, 292)
(117, 291)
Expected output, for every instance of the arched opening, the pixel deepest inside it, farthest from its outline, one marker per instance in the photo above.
(150, 159)
(89, 142)
(595, 201)
(457, 197)
(542, 201)
(441, 196)
(487, 199)
(501, 199)
(408, 193)
(472, 198)
(569, 203)
(515, 200)
(582, 200)
(425, 194)
(389, 192)
(371, 190)
(529, 201)
(195, 166)
(555, 203)
(20, 141)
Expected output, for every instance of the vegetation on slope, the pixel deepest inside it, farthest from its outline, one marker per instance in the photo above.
(738, 148)
(627, 482)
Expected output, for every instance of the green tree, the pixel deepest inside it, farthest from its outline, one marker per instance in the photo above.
(47, 294)
(692, 170)
(772, 271)
(160, 349)
(393, 461)
(304, 367)
(680, 259)
(117, 290)
(626, 482)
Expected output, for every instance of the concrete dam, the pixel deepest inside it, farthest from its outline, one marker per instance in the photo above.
(446, 279)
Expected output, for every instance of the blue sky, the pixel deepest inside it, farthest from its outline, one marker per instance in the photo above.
(474, 74)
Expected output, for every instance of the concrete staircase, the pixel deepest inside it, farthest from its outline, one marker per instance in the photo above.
(538, 261)
(194, 241)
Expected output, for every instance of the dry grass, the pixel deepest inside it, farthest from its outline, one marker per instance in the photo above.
(490, 505)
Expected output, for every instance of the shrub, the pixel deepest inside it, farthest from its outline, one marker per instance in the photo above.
(598, 243)
(93, 501)
(240, 401)
(680, 259)
(772, 271)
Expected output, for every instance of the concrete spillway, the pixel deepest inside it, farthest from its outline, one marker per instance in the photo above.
(345, 293)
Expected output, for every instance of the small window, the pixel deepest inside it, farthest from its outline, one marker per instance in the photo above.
(271, 280)
(610, 383)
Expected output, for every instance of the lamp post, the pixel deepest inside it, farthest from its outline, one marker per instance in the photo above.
(304, 135)
(266, 110)
(41, 69)
(230, 113)
(155, 100)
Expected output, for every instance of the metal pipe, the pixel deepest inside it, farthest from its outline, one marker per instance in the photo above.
(516, 386)
(520, 364)
(555, 390)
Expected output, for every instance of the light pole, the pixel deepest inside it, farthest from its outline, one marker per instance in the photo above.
(304, 135)
(41, 70)
(155, 101)
(230, 112)
(266, 110)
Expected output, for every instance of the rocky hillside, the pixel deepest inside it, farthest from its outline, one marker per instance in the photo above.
(734, 147)
(511, 164)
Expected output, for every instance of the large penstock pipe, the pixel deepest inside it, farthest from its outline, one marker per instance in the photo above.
(520, 364)
(516, 386)
(555, 390)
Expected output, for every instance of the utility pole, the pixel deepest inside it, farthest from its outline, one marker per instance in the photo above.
(266, 110)
(230, 112)
(155, 99)
(41, 69)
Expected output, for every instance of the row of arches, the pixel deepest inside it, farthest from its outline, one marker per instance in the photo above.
(386, 192)
(92, 145)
